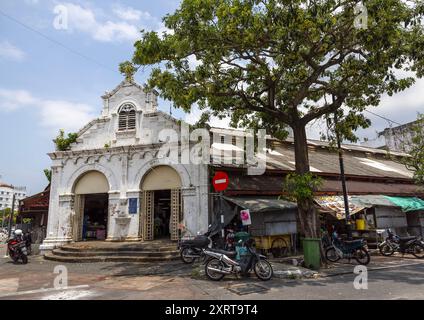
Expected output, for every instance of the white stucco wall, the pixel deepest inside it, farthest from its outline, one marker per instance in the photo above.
(125, 161)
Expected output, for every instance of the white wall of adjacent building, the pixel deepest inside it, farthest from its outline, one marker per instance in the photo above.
(6, 195)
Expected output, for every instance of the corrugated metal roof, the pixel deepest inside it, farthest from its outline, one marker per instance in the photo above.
(273, 184)
(326, 160)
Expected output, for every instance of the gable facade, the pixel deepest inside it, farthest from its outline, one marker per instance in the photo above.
(113, 163)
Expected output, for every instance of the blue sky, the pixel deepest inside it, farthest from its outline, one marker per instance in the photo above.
(45, 87)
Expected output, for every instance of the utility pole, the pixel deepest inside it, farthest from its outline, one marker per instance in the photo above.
(343, 178)
(10, 223)
(2, 218)
(3, 213)
(11, 216)
(222, 216)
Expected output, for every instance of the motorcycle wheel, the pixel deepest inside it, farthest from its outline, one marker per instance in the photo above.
(386, 250)
(14, 257)
(216, 264)
(24, 259)
(184, 256)
(263, 270)
(331, 255)
(362, 256)
(418, 251)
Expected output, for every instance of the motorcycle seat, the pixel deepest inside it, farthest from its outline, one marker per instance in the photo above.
(353, 241)
(403, 239)
(229, 254)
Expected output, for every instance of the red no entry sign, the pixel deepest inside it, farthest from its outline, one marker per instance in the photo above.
(220, 181)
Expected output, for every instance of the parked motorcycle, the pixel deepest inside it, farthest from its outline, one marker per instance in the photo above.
(344, 249)
(17, 248)
(220, 262)
(394, 243)
(192, 249)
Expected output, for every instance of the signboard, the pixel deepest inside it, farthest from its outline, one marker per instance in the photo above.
(220, 181)
(245, 217)
(132, 205)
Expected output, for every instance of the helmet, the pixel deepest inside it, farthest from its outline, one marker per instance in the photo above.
(18, 232)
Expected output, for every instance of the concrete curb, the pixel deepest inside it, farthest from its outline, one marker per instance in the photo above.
(345, 272)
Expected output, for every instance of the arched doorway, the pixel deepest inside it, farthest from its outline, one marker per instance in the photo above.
(91, 207)
(161, 204)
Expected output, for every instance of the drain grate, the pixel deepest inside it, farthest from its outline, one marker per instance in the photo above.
(247, 288)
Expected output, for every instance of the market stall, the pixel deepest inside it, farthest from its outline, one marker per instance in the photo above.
(272, 222)
(370, 213)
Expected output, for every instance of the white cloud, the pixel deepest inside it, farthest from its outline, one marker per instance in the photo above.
(80, 19)
(58, 114)
(131, 14)
(54, 114)
(10, 52)
(195, 114)
(11, 100)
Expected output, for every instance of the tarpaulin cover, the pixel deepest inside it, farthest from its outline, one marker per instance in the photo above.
(407, 204)
(369, 201)
(358, 203)
(257, 204)
(336, 204)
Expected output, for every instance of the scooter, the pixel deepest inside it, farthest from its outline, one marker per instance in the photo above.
(394, 243)
(192, 249)
(17, 248)
(219, 263)
(344, 249)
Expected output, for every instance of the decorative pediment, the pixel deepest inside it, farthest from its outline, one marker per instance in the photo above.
(123, 84)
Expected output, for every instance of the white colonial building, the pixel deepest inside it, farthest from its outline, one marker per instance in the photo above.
(117, 183)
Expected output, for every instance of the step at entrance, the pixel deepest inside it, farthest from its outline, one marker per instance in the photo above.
(115, 252)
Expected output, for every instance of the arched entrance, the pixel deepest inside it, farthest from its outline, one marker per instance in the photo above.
(161, 204)
(91, 207)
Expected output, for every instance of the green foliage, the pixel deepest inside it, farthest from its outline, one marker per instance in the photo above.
(128, 70)
(5, 213)
(301, 187)
(203, 122)
(271, 64)
(63, 143)
(48, 174)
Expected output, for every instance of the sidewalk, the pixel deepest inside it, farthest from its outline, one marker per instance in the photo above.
(2, 249)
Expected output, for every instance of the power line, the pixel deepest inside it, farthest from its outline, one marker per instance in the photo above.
(55, 41)
(384, 118)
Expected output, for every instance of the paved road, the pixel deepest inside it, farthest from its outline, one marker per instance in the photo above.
(403, 280)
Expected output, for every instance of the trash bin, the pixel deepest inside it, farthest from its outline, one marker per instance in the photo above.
(312, 253)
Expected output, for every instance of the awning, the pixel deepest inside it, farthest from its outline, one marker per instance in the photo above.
(369, 201)
(260, 204)
(408, 204)
(358, 203)
(336, 204)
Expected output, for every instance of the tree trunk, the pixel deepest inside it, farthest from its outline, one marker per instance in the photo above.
(308, 218)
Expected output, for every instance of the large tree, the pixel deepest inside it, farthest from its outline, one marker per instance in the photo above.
(276, 64)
